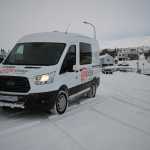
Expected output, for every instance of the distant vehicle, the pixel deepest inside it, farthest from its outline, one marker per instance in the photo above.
(107, 71)
(124, 67)
(123, 64)
(47, 69)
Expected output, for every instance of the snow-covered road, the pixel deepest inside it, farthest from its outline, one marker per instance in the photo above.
(117, 119)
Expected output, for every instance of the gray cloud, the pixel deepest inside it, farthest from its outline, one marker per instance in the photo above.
(114, 19)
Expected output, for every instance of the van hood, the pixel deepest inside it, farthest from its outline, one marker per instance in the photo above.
(25, 71)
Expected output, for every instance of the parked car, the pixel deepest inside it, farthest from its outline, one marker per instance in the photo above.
(108, 70)
(123, 64)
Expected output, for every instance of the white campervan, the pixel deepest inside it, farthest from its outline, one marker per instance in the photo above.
(47, 69)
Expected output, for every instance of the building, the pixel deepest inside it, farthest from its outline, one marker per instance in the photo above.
(3, 54)
(111, 52)
(106, 60)
(133, 53)
(122, 54)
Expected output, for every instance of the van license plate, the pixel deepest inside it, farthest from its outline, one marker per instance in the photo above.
(8, 98)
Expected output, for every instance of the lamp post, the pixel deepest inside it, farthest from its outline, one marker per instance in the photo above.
(143, 68)
(93, 26)
(138, 62)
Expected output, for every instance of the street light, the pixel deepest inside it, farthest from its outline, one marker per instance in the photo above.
(93, 26)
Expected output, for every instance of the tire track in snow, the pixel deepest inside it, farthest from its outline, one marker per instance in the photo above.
(7, 114)
(136, 96)
(22, 118)
(69, 136)
(130, 96)
(120, 121)
(128, 102)
(18, 128)
(75, 108)
(12, 118)
(119, 95)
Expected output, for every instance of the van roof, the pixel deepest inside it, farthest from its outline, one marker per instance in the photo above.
(55, 37)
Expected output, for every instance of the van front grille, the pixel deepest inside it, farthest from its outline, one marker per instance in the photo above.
(14, 84)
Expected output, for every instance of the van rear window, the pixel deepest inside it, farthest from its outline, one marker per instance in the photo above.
(35, 54)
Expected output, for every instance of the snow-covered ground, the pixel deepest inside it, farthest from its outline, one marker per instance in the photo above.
(117, 119)
(143, 65)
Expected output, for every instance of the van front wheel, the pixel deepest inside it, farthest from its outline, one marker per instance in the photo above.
(92, 91)
(61, 103)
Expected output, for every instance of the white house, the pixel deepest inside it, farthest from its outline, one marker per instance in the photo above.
(106, 60)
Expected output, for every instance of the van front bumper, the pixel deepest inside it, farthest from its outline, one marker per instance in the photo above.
(38, 100)
(12, 105)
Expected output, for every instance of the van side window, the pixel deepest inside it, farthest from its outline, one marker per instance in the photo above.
(85, 53)
(70, 60)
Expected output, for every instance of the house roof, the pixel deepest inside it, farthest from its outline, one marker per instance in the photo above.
(104, 56)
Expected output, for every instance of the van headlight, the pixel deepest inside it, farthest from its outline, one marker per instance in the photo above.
(44, 78)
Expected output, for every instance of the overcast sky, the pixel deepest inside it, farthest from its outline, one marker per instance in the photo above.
(114, 19)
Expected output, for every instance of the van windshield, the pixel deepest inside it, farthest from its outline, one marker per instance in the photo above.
(41, 54)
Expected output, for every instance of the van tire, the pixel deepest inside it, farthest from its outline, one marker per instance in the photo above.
(61, 103)
(92, 92)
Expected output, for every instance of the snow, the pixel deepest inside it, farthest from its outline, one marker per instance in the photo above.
(116, 119)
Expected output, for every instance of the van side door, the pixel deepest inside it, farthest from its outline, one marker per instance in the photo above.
(69, 76)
